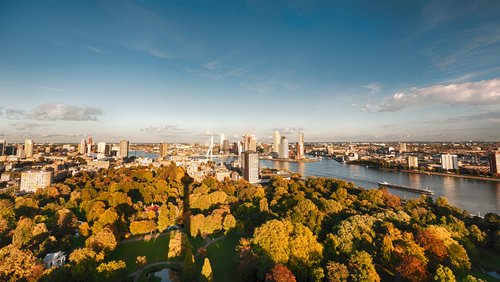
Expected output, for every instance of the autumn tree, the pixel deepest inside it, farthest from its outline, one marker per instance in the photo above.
(280, 273)
(177, 245)
(104, 240)
(362, 268)
(444, 274)
(206, 271)
(19, 265)
(336, 272)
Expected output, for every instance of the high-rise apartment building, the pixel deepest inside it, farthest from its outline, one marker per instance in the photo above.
(284, 151)
(449, 162)
(101, 148)
(3, 144)
(495, 163)
(33, 180)
(82, 148)
(402, 147)
(300, 146)
(29, 148)
(225, 146)
(250, 166)
(124, 148)
(412, 162)
(249, 143)
(276, 141)
(163, 149)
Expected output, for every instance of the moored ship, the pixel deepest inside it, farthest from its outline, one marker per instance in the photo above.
(425, 191)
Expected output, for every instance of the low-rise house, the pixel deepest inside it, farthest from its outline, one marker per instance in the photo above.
(54, 259)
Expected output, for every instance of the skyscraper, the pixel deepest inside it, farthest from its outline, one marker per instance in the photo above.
(276, 141)
(250, 166)
(28, 148)
(124, 147)
(82, 149)
(284, 153)
(300, 146)
(495, 163)
(3, 144)
(249, 143)
(101, 148)
(163, 149)
(449, 162)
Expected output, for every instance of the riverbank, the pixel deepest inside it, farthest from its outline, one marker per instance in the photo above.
(294, 161)
(484, 178)
(452, 175)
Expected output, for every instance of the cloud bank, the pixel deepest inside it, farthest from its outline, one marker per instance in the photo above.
(484, 92)
(55, 112)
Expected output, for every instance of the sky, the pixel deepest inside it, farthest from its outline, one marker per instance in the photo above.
(176, 71)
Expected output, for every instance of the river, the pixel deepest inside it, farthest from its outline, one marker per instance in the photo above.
(475, 196)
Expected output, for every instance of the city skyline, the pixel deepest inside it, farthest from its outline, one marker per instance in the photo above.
(171, 72)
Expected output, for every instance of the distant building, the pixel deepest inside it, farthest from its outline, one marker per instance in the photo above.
(163, 149)
(124, 148)
(28, 148)
(54, 259)
(101, 148)
(249, 143)
(3, 144)
(20, 152)
(82, 148)
(300, 146)
(33, 180)
(225, 146)
(412, 162)
(250, 166)
(276, 141)
(402, 147)
(449, 162)
(495, 163)
(284, 152)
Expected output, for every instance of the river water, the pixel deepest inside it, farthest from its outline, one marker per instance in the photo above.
(475, 196)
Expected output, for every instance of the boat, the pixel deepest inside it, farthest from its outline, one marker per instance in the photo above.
(425, 191)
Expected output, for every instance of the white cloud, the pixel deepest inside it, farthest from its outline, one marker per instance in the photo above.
(166, 130)
(374, 87)
(484, 92)
(289, 130)
(56, 112)
(27, 125)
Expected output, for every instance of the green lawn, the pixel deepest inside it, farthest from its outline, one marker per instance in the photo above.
(154, 250)
(223, 258)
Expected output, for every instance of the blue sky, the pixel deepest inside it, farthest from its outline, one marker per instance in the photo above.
(153, 71)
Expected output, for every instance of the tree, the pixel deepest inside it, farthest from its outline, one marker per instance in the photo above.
(142, 227)
(361, 267)
(412, 269)
(140, 262)
(23, 233)
(336, 272)
(229, 222)
(273, 237)
(112, 270)
(206, 271)
(444, 274)
(188, 267)
(104, 240)
(280, 273)
(177, 245)
(85, 262)
(19, 265)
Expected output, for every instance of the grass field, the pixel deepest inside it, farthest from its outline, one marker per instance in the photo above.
(223, 258)
(154, 250)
